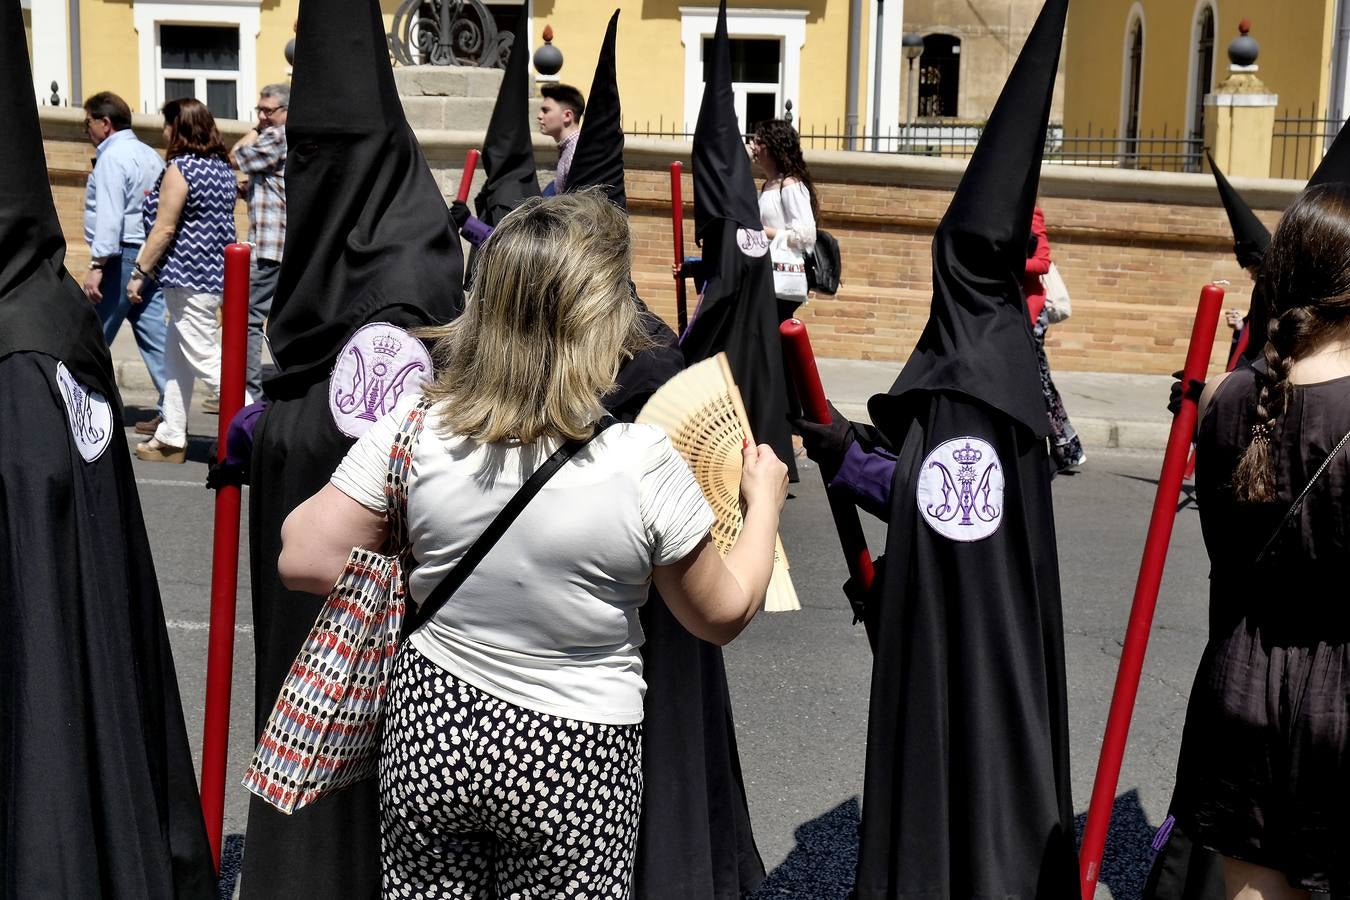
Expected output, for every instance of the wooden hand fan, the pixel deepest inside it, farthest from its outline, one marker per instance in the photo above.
(701, 410)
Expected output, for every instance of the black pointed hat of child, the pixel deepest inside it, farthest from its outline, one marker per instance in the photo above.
(1250, 236)
(42, 309)
(367, 237)
(977, 341)
(508, 148)
(598, 161)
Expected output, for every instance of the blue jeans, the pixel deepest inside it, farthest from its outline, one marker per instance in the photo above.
(262, 287)
(149, 318)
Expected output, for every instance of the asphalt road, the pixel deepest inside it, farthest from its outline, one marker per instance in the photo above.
(800, 680)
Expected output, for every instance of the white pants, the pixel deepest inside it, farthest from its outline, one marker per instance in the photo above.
(191, 351)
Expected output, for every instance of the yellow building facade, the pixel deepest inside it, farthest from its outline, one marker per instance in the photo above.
(223, 51)
(1136, 69)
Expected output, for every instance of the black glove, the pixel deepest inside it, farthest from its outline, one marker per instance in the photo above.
(459, 214)
(1191, 392)
(221, 474)
(827, 444)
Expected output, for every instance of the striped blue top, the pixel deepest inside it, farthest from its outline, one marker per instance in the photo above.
(196, 257)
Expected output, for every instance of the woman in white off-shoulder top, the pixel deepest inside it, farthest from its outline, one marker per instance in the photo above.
(787, 208)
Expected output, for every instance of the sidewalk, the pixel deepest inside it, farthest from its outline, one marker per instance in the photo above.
(1128, 411)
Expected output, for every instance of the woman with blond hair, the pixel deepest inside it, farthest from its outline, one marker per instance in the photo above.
(512, 746)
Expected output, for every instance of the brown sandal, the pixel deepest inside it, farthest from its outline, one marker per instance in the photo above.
(154, 450)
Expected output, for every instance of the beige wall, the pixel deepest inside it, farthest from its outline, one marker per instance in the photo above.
(992, 33)
(651, 56)
(1294, 35)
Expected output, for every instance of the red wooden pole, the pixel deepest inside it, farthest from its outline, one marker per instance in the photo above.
(806, 377)
(1146, 594)
(225, 553)
(466, 176)
(677, 227)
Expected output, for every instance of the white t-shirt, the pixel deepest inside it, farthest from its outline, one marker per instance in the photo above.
(549, 619)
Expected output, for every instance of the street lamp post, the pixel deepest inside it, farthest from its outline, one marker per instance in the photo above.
(913, 45)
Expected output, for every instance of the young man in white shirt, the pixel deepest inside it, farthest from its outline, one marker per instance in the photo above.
(560, 118)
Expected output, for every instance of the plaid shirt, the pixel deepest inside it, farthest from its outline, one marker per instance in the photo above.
(264, 161)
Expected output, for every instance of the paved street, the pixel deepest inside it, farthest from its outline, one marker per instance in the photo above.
(800, 680)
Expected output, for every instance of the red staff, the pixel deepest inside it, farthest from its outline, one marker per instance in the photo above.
(806, 378)
(677, 227)
(1146, 593)
(465, 177)
(224, 553)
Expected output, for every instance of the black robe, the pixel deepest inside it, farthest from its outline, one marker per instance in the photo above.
(967, 781)
(738, 315)
(695, 840)
(98, 797)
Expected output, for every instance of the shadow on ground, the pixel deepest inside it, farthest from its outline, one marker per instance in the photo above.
(821, 863)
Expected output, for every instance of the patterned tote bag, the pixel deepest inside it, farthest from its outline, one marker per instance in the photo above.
(324, 730)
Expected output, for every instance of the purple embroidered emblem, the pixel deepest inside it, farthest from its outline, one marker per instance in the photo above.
(960, 491)
(752, 243)
(89, 415)
(380, 364)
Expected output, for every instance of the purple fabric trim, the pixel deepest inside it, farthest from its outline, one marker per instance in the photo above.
(866, 476)
(475, 230)
(1163, 833)
(239, 437)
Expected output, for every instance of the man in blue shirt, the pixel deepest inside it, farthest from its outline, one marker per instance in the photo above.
(124, 170)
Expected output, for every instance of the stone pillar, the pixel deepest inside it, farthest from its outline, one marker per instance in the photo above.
(1240, 114)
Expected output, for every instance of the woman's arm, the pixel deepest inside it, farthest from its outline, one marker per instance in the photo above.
(799, 222)
(173, 194)
(715, 598)
(1038, 263)
(319, 535)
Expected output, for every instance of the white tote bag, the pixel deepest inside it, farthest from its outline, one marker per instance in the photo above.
(1057, 305)
(789, 269)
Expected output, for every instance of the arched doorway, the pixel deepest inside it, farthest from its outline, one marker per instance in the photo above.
(1202, 81)
(939, 76)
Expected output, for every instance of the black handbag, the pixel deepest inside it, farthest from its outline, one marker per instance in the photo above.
(823, 264)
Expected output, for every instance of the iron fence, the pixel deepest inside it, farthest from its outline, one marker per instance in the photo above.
(1298, 142)
(1164, 151)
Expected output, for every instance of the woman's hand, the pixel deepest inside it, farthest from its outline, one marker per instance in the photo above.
(764, 478)
(770, 233)
(134, 285)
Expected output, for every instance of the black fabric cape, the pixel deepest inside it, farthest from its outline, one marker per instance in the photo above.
(738, 313)
(967, 790)
(695, 840)
(368, 239)
(508, 151)
(98, 796)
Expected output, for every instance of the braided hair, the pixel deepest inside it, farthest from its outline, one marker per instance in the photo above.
(1304, 284)
(780, 141)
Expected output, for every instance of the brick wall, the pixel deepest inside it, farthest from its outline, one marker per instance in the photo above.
(1134, 247)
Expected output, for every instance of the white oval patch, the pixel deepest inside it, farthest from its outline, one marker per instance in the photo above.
(960, 491)
(88, 412)
(752, 243)
(380, 364)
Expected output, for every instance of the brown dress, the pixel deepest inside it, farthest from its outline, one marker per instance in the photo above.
(1264, 774)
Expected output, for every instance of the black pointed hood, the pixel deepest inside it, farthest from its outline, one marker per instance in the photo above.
(598, 160)
(723, 185)
(508, 149)
(1335, 166)
(368, 237)
(1250, 236)
(42, 309)
(977, 341)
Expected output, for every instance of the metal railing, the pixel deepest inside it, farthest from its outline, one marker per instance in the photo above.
(1298, 143)
(1167, 151)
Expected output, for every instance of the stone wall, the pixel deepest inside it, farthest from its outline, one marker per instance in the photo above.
(1133, 247)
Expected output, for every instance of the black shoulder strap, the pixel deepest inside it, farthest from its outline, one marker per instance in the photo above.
(479, 549)
(1303, 495)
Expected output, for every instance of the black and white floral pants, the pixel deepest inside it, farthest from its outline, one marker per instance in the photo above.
(480, 798)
